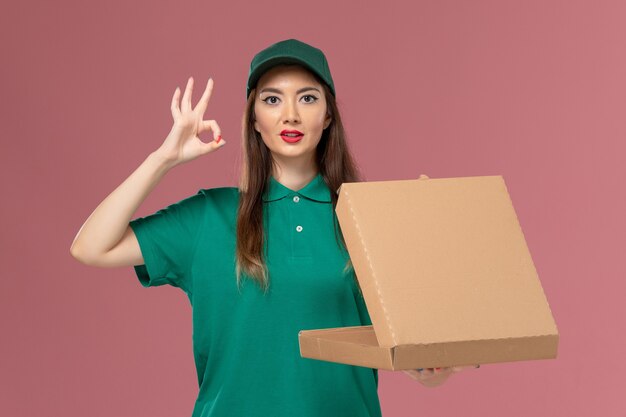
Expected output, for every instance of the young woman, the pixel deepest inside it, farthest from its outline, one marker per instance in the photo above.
(261, 261)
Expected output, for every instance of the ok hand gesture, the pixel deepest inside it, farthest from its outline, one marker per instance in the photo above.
(183, 144)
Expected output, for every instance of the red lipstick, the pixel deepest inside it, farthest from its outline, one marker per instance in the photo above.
(291, 136)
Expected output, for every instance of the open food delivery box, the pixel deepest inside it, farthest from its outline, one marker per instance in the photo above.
(446, 274)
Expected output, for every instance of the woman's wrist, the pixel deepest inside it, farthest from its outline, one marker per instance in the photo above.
(162, 163)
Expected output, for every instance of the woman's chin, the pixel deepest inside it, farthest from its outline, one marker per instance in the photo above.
(292, 152)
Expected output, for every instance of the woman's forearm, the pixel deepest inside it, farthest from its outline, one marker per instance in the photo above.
(106, 225)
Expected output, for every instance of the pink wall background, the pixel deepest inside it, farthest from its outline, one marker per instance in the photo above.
(531, 90)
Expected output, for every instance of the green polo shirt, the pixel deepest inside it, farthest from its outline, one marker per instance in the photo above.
(245, 343)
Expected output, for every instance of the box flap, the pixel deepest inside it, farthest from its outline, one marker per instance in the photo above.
(442, 260)
(359, 346)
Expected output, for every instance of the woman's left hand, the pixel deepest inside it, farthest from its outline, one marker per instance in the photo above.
(432, 377)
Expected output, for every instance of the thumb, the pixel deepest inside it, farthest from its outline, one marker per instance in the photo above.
(213, 145)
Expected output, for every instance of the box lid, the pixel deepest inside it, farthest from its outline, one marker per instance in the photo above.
(442, 260)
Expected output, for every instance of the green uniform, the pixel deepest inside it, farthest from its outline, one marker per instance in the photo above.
(246, 343)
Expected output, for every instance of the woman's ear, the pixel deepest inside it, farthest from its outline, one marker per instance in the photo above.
(327, 121)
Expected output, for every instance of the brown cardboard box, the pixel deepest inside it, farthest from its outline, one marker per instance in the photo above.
(446, 274)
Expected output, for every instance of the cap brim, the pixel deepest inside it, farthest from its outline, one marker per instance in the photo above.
(264, 66)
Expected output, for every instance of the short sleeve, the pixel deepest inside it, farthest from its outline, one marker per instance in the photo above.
(167, 240)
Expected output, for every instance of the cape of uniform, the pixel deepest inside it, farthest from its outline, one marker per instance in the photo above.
(245, 343)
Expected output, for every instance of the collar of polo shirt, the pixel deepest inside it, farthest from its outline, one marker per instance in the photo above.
(316, 190)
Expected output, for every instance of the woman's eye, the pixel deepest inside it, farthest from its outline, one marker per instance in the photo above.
(267, 98)
(312, 99)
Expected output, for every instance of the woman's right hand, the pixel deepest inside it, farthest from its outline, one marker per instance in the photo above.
(183, 143)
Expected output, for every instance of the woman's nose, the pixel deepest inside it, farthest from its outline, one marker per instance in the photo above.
(291, 112)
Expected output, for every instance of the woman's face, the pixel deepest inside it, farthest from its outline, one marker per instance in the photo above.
(289, 98)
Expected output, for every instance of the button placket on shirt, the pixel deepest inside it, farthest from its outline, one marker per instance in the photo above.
(300, 245)
(296, 199)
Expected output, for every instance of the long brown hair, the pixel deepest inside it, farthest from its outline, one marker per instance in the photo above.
(336, 165)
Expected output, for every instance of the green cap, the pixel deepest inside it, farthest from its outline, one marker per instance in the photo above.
(290, 51)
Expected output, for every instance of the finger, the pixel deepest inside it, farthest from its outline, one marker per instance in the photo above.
(444, 370)
(206, 96)
(421, 374)
(186, 104)
(206, 125)
(175, 107)
(211, 146)
(462, 368)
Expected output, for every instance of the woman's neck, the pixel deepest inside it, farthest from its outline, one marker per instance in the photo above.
(293, 176)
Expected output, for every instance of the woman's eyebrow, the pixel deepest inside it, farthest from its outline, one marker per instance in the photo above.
(276, 90)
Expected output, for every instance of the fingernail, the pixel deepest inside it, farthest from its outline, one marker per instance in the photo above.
(218, 139)
(437, 369)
